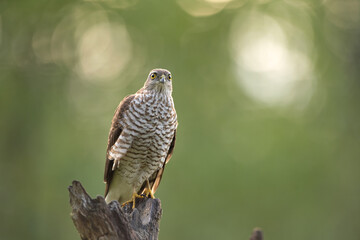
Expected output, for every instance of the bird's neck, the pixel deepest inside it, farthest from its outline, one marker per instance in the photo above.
(158, 93)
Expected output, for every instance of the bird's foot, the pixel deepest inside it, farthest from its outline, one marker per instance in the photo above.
(132, 200)
(148, 192)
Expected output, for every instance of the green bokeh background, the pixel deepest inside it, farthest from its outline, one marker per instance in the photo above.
(241, 159)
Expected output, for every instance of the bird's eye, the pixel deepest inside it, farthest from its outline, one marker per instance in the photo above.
(169, 77)
(153, 76)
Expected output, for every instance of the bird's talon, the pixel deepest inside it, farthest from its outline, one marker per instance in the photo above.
(149, 192)
(133, 199)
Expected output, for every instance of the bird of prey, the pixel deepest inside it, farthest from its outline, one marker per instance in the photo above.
(141, 140)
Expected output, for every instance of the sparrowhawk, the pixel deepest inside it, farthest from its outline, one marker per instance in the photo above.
(141, 140)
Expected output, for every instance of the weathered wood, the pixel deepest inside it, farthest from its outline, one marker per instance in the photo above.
(96, 220)
(257, 234)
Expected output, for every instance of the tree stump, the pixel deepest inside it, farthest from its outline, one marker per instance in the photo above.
(96, 220)
(257, 234)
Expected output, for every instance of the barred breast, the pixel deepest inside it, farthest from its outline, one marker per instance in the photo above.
(149, 126)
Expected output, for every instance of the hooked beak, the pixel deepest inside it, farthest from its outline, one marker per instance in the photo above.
(162, 79)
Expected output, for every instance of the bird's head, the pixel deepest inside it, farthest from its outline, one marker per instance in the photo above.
(159, 80)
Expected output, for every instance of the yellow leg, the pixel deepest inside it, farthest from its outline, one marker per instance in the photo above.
(133, 198)
(148, 190)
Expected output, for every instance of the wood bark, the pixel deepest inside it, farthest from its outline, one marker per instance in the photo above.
(96, 220)
(257, 234)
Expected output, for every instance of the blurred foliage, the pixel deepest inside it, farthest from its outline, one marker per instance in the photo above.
(266, 91)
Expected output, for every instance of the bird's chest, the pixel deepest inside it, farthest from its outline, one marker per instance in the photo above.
(151, 124)
(158, 113)
(159, 120)
(153, 121)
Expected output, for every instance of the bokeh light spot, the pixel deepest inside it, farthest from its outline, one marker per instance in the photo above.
(104, 50)
(121, 4)
(202, 8)
(269, 69)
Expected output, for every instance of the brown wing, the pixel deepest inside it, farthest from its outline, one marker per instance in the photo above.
(155, 179)
(115, 131)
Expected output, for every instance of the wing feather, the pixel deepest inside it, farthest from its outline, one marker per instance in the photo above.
(114, 133)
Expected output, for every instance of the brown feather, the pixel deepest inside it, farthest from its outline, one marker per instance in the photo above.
(115, 131)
